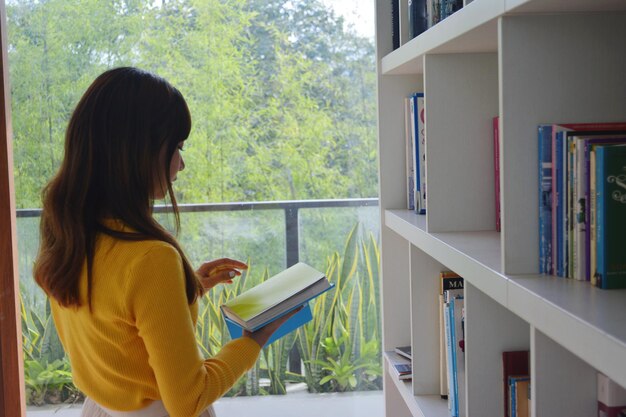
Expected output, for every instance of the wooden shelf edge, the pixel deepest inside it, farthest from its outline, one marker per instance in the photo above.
(419, 405)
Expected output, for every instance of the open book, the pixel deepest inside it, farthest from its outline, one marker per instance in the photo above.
(273, 298)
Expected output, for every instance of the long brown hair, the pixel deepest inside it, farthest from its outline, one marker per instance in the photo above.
(113, 151)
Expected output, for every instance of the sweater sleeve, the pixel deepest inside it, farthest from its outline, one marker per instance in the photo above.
(156, 300)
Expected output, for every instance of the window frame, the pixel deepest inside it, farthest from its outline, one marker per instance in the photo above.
(12, 393)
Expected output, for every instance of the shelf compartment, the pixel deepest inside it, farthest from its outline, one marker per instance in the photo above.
(418, 405)
(563, 6)
(472, 29)
(470, 254)
(587, 321)
(562, 384)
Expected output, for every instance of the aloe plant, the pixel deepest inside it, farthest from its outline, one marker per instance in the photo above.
(342, 344)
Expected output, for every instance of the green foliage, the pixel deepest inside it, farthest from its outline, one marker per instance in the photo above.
(47, 371)
(282, 96)
(283, 103)
(341, 347)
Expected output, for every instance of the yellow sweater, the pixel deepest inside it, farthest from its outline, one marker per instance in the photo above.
(138, 344)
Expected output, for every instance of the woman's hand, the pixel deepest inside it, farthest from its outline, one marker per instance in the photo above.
(219, 271)
(262, 335)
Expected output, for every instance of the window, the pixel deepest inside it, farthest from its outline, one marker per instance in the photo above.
(281, 161)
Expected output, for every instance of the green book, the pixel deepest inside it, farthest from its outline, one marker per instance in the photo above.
(610, 216)
(276, 296)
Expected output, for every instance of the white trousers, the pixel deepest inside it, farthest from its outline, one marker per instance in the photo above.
(156, 409)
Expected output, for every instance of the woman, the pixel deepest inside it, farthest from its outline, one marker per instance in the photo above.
(123, 294)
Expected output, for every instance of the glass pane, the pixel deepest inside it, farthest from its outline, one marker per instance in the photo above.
(282, 96)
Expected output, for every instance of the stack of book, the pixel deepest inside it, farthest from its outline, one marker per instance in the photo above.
(582, 202)
(421, 15)
(415, 139)
(400, 363)
(516, 383)
(451, 298)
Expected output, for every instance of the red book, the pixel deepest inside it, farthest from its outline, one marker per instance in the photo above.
(496, 167)
(513, 363)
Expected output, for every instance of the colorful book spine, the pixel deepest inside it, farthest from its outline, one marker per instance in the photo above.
(610, 216)
(420, 153)
(545, 200)
(409, 141)
(496, 168)
(558, 207)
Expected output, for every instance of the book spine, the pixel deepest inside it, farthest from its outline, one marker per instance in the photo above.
(414, 151)
(421, 152)
(581, 208)
(571, 187)
(588, 202)
(408, 138)
(449, 346)
(496, 168)
(611, 183)
(563, 199)
(592, 216)
(545, 200)
(418, 17)
(558, 161)
(600, 218)
(395, 24)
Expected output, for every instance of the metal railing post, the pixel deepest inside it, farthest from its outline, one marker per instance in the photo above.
(292, 243)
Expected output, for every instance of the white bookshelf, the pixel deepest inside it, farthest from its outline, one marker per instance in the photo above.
(529, 62)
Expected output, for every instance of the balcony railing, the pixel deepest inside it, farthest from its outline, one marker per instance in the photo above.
(291, 214)
(290, 208)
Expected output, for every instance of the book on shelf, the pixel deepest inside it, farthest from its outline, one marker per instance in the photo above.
(404, 351)
(448, 281)
(418, 151)
(417, 17)
(433, 11)
(275, 297)
(513, 363)
(546, 264)
(409, 142)
(395, 24)
(587, 145)
(611, 398)
(448, 7)
(495, 124)
(610, 164)
(451, 292)
(399, 365)
(563, 210)
(456, 309)
(421, 151)
(519, 396)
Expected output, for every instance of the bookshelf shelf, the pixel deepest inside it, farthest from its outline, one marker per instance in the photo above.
(528, 62)
(419, 405)
(570, 311)
(474, 28)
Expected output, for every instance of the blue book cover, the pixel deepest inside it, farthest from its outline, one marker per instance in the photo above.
(610, 216)
(458, 357)
(545, 200)
(560, 190)
(449, 346)
(418, 133)
(301, 318)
